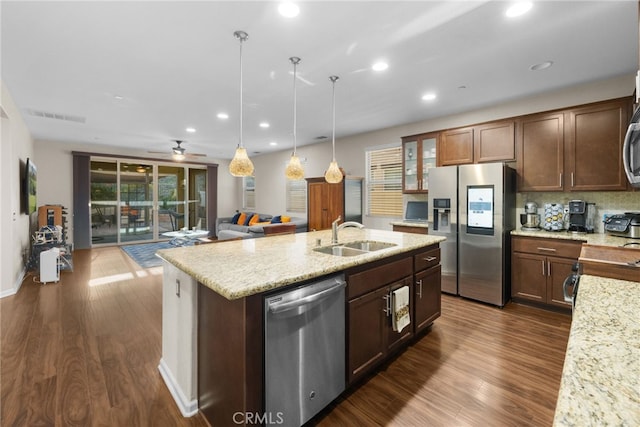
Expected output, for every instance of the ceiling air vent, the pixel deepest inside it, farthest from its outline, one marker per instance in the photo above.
(56, 116)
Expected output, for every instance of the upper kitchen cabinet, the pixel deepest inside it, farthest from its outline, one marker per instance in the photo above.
(455, 147)
(573, 150)
(540, 142)
(494, 142)
(418, 155)
(595, 135)
(487, 142)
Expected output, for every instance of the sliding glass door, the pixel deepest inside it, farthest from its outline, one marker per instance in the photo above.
(140, 201)
(104, 202)
(136, 202)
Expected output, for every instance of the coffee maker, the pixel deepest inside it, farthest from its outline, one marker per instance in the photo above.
(581, 216)
(530, 220)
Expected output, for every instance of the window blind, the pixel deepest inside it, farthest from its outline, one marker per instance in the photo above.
(297, 196)
(384, 182)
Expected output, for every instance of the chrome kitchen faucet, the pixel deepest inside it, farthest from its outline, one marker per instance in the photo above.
(335, 227)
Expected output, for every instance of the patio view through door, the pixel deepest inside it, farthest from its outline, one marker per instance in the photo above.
(139, 201)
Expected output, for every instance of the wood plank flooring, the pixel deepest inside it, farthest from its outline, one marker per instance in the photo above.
(85, 351)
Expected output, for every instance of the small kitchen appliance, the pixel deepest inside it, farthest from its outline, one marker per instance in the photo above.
(530, 220)
(624, 225)
(581, 216)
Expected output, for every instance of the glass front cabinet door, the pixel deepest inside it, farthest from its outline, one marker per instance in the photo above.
(418, 156)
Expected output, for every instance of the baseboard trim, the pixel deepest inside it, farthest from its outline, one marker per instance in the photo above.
(188, 408)
(16, 286)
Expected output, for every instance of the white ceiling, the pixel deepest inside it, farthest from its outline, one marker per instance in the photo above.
(176, 64)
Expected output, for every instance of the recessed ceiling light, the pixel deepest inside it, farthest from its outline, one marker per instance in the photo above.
(379, 66)
(428, 96)
(541, 66)
(519, 8)
(264, 125)
(273, 143)
(190, 130)
(223, 116)
(118, 97)
(288, 10)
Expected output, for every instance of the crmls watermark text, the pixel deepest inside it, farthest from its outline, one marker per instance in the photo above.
(268, 418)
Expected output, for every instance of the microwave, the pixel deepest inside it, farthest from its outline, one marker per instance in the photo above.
(631, 151)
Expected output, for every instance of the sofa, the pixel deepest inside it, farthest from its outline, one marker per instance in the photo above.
(226, 228)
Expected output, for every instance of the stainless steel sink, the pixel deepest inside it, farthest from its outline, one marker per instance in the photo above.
(339, 251)
(354, 248)
(369, 245)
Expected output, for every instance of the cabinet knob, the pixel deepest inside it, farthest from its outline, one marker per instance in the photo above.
(430, 258)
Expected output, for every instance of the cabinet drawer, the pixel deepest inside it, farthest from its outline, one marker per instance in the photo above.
(427, 259)
(554, 247)
(375, 277)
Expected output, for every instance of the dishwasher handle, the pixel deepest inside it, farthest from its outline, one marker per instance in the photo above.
(280, 307)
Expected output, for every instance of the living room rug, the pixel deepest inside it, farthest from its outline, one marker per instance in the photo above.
(145, 253)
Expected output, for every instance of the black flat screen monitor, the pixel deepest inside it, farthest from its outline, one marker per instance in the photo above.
(416, 211)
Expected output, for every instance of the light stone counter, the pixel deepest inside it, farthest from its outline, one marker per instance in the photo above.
(422, 224)
(601, 376)
(240, 268)
(598, 239)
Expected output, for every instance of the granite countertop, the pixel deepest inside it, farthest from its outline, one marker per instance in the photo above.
(239, 268)
(601, 374)
(598, 239)
(421, 224)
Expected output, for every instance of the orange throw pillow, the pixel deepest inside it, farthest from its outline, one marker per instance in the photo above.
(242, 218)
(254, 219)
(285, 218)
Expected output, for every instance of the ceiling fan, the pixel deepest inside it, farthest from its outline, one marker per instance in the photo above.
(179, 152)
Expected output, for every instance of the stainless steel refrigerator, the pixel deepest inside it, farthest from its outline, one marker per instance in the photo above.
(473, 206)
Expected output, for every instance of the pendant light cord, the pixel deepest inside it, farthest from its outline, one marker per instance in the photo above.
(294, 60)
(242, 36)
(333, 137)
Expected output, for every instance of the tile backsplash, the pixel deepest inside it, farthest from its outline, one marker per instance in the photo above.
(607, 202)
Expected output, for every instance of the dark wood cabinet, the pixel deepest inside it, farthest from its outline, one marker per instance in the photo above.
(595, 135)
(486, 142)
(427, 288)
(369, 309)
(539, 267)
(418, 156)
(573, 150)
(540, 152)
(494, 142)
(325, 202)
(455, 147)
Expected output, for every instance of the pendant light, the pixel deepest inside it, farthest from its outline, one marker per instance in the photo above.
(294, 170)
(241, 165)
(333, 175)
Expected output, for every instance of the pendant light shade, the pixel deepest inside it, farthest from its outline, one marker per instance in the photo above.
(294, 170)
(333, 175)
(241, 165)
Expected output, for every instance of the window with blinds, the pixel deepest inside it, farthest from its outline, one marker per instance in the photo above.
(249, 192)
(297, 196)
(384, 181)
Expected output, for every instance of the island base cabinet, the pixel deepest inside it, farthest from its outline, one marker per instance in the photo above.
(230, 370)
(371, 334)
(427, 301)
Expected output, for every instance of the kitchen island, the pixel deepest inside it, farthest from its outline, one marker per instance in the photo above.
(212, 348)
(601, 374)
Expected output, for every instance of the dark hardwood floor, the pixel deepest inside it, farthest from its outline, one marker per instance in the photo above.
(85, 351)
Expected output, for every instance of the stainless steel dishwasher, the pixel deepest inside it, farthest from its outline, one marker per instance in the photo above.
(304, 350)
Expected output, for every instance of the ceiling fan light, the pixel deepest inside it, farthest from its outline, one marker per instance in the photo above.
(294, 170)
(178, 156)
(178, 150)
(241, 165)
(333, 175)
